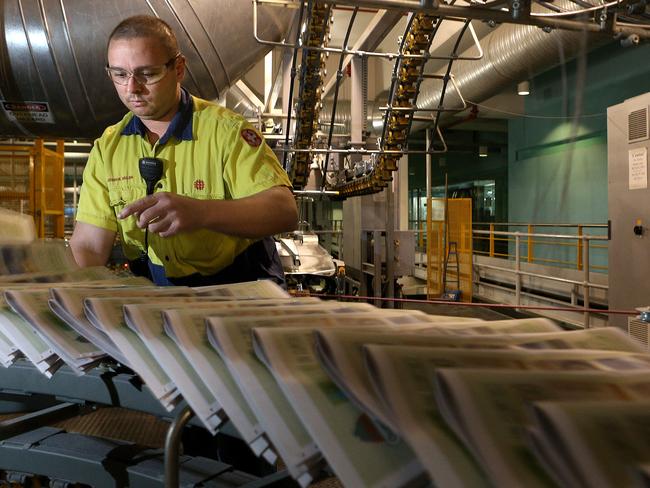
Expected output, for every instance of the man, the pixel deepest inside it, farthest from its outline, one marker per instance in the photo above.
(222, 191)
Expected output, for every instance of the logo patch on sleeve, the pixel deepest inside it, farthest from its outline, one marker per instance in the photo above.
(251, 137)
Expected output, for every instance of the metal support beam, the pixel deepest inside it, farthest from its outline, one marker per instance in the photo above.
(244, 90)
(18, 425)
(173, 446)
(375, 33)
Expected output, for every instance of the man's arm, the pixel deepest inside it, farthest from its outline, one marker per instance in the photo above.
(91, 245)
(266, 213)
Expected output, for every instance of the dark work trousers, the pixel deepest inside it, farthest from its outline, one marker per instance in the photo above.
(259, 261)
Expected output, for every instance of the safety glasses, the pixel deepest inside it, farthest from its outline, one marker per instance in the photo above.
(147, 75)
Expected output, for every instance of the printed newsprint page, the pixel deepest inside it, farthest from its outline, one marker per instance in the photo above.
(147, 323)
(510, 326)
(232, 338)
(67, 304)
(25, 338)
(73, 277)
(73, 349)
(401, 378)
(36, 257)
(601, 442)
(165, 296)
(188, 329)
(353, 448)
(604, 338)
(340, 353)
(246, 289)
(107, 315)
(489, 410)
(8, 352)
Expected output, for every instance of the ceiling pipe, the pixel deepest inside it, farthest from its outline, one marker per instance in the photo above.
(52, 57)
(473, 115)
(511, 53)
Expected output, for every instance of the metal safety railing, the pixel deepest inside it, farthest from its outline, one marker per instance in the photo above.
(493, 240)
(527, 247)
(519, 238)
(536, 248)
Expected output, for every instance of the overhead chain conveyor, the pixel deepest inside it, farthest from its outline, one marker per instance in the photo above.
(398, 118)
(370, 175)
(309, 103)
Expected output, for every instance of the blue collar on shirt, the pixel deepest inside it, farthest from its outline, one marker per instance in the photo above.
(180, 126)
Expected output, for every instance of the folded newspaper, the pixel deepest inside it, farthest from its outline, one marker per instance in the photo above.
(187, 327)
(17, 228)
(601, 443)
(355, 451)
(246, 289)
(401, 378)
(489, 410)
(75, 350)
(106, 314)
(68, 305)
(231, 336)
(340, 351)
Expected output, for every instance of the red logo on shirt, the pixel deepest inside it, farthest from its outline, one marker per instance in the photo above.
(251, 137)
(199, 184)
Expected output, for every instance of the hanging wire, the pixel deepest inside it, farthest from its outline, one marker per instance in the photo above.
(293, 77)
(552, 117)
(446, 78)
(339, 75)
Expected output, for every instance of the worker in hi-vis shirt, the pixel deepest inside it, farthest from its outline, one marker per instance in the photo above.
(192, 187)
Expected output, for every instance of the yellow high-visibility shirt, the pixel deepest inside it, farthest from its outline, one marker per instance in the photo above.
(208, 153)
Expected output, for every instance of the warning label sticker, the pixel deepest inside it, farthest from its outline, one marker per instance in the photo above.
(22, 112)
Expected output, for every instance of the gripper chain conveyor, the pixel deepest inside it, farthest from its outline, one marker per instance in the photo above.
(309, 103)
(35, 453)
(398, 118)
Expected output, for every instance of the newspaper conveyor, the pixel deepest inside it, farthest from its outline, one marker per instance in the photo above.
(29, 448)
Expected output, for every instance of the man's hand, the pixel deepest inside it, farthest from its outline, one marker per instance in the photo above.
(165, 214)
(263, 214)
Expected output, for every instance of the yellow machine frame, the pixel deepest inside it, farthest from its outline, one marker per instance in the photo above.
(31, 182)
(449, 247)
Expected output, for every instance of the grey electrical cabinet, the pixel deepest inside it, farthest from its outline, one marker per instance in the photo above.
(628, 142)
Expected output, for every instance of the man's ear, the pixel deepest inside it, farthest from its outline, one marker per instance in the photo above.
(180, 68)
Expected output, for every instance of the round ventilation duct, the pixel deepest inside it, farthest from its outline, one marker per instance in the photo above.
(52, 57)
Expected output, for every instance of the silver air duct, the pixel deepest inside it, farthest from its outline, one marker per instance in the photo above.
(52, 57)
(512, 53)
(343, 118)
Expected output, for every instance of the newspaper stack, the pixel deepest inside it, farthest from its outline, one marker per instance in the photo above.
(68, 305)
(385, 398)
(75, 350)
(487, 409)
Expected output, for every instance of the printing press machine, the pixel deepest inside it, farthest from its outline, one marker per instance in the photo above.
(30, 449)
(308, 266)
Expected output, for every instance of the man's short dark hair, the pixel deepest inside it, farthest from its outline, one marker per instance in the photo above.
(140, 26)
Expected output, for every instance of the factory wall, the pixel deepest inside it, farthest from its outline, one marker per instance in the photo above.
(557, 165)
(462, 164)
